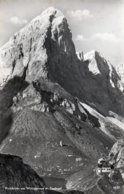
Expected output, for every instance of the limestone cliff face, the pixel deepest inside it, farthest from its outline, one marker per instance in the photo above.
(29, 51)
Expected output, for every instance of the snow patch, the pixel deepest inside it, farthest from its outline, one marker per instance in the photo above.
(110, 74)
(80, 56)
(93, 67)
(100, 117)
(89, 55)
(120, 86)
(91, 110)
(116, 122)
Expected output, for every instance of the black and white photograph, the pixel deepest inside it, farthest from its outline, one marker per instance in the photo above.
(61, 97)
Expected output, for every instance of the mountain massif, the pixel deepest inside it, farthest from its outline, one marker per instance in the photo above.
(59, 110)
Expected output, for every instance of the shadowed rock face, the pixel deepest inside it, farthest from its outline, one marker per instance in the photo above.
(43, 85)
(16, 174)
(11, 89)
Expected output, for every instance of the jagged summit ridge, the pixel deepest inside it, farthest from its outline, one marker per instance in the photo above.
(52, 11)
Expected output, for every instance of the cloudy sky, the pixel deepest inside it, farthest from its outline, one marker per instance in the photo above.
(95, 24)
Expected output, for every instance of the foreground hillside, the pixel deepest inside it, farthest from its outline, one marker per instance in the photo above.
(15, 174)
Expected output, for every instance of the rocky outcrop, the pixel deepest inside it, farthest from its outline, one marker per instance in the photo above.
(118, 152)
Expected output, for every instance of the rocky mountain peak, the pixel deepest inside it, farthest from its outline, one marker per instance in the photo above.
(98, 65)
(27, 52)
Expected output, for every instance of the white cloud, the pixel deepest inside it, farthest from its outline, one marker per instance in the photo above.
(80, 37)
(80, 14)
(106, 37)
(17, 21)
